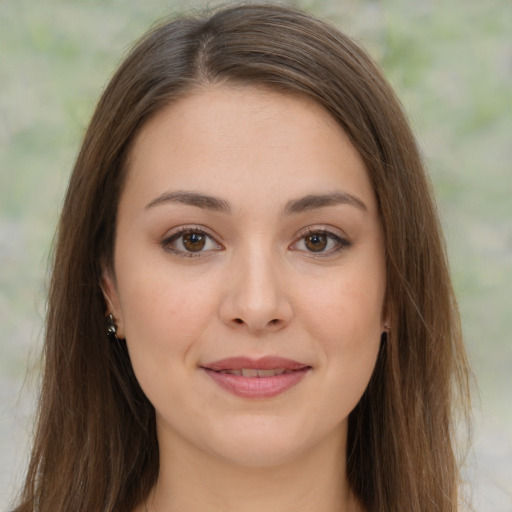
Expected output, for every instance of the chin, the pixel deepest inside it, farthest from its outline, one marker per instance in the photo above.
(264, 442)
(260, 454)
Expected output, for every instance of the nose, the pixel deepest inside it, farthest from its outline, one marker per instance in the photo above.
(256, 298)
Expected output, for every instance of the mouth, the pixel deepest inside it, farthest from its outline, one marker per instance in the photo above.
(256, 378)
(255, 372)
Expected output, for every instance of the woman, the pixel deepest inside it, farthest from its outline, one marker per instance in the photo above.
(250, 213)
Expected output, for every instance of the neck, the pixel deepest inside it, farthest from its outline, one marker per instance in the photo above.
(314, 482)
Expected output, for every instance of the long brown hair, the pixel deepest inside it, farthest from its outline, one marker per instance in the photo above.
(96, 446)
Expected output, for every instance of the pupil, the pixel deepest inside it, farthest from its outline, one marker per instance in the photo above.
(316, 243)
(194, 241)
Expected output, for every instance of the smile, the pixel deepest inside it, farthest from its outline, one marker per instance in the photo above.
(252, 372)
(262, 378)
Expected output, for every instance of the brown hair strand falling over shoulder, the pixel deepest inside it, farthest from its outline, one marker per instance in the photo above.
(95, 446)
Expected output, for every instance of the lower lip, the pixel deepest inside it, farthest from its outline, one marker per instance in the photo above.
(257, 387)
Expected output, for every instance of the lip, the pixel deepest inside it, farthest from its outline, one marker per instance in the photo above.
(256, 387)
(262, 363)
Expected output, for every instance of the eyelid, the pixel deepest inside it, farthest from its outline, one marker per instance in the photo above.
(343, 242)
(176, 233)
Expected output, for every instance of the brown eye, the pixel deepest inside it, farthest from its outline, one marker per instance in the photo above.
(316, 242)
(190, 242)
(194, 242)
(321, 243)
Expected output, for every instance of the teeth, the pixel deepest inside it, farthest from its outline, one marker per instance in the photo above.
(270, 373)
(232, 372)
(249, 372)
(252, 372)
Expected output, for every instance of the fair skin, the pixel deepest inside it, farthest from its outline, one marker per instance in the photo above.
(248, 227)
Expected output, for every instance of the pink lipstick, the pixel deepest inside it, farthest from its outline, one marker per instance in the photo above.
(256, 378)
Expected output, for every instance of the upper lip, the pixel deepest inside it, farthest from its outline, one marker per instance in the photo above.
(263, 363)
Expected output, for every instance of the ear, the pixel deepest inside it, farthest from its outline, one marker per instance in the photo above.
(109, 288)
(386, 318)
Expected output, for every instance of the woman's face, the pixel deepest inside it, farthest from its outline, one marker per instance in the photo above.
(249, 275)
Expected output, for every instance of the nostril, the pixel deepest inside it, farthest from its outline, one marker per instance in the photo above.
(271, 323)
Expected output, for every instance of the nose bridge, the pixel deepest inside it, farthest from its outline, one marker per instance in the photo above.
(255, 294)
(261, 284)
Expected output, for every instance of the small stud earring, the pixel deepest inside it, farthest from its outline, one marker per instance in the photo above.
(111, 328)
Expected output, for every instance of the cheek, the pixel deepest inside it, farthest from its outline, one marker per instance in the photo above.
(346, 320)
(158, 295)
(347, 307)
(164, 315)
(164, 324)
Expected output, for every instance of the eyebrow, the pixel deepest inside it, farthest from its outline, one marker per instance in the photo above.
(314, 201)
(203, 201)
(303, 204)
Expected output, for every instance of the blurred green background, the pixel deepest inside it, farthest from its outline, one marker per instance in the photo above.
(450, 63)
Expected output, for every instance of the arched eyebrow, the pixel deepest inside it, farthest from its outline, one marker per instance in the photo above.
(294, 206)
(203, 201)
(315, 201)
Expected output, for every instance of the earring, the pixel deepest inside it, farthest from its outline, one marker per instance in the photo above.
(111, 328)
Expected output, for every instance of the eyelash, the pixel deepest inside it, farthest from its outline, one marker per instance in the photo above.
(340, 242)
(167, 242)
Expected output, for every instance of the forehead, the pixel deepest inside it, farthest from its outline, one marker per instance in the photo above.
(245, 142)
